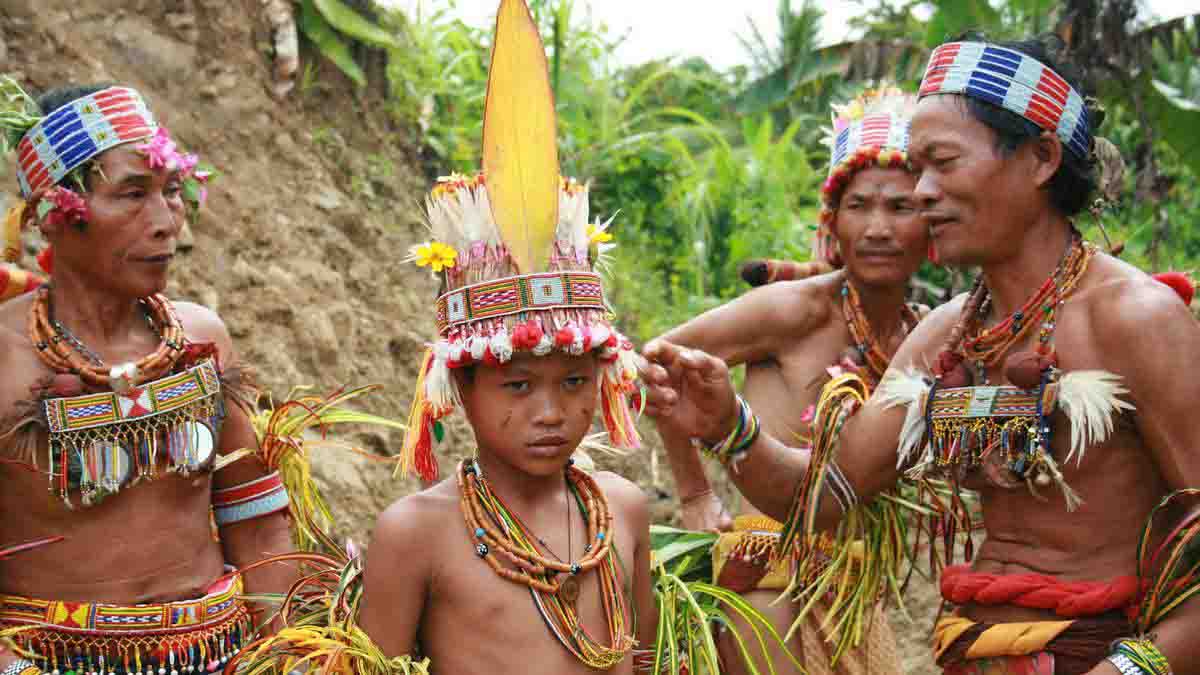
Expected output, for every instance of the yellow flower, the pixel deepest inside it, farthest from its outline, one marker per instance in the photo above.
(597, 235)
(437, 255)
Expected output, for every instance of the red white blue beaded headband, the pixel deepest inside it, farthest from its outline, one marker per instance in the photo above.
(1014, 81)
(77, 132)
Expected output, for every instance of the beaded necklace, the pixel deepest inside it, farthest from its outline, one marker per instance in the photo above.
(498, 531)
(64, 353)
(874, 356)
(984, 347)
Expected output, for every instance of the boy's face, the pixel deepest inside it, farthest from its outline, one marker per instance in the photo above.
(533, 411)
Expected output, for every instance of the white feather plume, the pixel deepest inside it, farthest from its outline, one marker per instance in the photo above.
(1090, 398)
(573, 217)
(908, 388)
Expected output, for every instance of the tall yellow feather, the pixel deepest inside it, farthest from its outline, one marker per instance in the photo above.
(520, 156)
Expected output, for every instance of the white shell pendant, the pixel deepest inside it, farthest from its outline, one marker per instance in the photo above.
(122, 377)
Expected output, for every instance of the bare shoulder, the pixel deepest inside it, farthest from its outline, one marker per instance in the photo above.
(18, 361)
(805, 304)
(201, 324)
(931, 332)
(14, 315)
(623, 495)
(1125, 306)
(407, 529)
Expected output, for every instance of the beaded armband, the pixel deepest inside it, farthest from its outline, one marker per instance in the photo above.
(1138, 657)
(735, 446)
(22, 667)
(254, 499)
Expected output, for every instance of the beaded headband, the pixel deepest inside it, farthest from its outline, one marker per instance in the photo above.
(77, 132)
(515, 254)
(871, 130)
(1014, 81)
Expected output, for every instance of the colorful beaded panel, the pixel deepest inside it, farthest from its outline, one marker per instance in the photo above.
(77, 132)
(965, 421)
(523, 293)
(101, 442)
(178, 637)
(169, 394)
(974, 402)
(1013, 81)
(880, 130)
(79, 617)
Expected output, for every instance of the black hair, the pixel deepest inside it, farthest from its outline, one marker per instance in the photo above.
(1071, 186)
(53, 99)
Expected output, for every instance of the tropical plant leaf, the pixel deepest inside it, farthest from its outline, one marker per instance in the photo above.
(329, 43)
(951, 17)
(1175, 118)
(352, 24)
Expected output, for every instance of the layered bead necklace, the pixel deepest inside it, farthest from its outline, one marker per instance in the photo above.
(62, 352)
(499, 532)
(972, 343)
(874, 357)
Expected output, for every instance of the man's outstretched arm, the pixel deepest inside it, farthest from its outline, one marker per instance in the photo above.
(754, 327)
(692, 396)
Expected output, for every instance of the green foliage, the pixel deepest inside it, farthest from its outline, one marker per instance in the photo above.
(689, 606)
(331, 25)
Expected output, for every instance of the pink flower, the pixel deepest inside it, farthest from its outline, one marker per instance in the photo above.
(69, 207)
(160, 151)
(187, 164)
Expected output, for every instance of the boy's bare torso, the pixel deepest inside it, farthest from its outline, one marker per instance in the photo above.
(474, 621)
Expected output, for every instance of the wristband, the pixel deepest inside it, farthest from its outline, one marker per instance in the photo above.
(735, 446)
(1142, 655)
(22, 667)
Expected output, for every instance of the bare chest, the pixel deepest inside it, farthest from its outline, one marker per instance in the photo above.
(477, 621)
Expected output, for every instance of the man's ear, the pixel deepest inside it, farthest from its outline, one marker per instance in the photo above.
(1047, 154)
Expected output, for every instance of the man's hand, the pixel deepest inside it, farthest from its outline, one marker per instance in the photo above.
(690, 391)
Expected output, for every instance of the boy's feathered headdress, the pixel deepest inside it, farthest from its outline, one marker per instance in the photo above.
(515, 253)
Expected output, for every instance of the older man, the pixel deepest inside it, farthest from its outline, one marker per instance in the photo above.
(121, 403)
(1053, 389)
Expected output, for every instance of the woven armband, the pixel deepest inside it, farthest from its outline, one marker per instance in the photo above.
(735, 446)
(254, 499)
(1138, 656)
(22, 667)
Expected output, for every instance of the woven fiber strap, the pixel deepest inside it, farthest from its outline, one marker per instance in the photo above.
(77, 132)
(523, 293)
(1013, 81)
(880, 130)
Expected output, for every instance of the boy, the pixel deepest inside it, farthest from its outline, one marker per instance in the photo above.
(526, 349)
